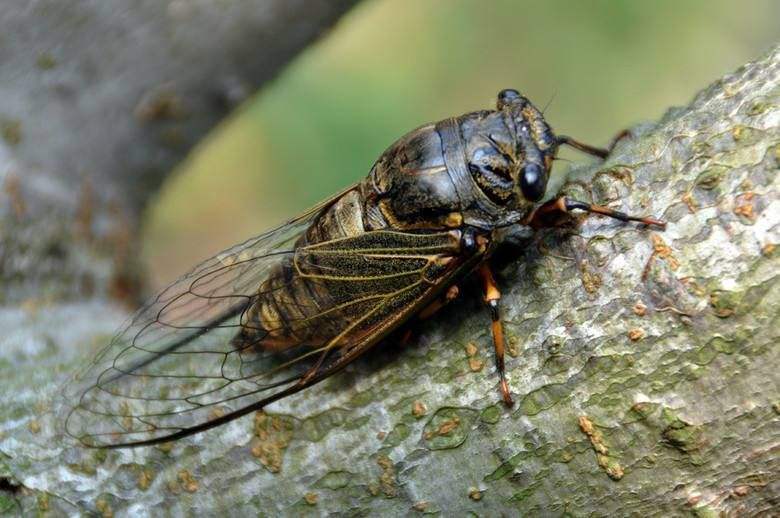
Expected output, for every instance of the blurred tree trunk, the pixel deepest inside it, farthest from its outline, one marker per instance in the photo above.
(100, 100)
(644, 363)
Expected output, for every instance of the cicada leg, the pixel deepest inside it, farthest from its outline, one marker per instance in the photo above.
(585, 148)
(593, 150)
(492, 297)
(549, 214)
(406, 337)
(449, 295)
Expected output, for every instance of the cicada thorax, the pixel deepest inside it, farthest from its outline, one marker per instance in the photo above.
(459, 171)
(410, 186)
(464, 171)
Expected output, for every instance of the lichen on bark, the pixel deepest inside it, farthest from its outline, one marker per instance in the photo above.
(645, 375)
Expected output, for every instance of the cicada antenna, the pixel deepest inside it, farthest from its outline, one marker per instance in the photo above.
(552, 98)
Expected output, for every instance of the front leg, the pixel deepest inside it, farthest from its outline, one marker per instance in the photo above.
(550, 214)
(592, 150)
(492, 296)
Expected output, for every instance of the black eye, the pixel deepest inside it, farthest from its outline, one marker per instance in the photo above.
(506, 97)
(533, 182)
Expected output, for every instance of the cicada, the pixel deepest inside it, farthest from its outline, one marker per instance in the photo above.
(283, 311)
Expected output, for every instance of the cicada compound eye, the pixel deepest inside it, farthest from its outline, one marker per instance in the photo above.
(507, 97)
(533, 182)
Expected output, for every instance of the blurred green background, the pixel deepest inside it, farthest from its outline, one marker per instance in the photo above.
(392, 65)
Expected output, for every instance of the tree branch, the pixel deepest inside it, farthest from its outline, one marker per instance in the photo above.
(100, 102)
(643, 362)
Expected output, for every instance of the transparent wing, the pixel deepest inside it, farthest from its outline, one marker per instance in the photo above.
(194, 357)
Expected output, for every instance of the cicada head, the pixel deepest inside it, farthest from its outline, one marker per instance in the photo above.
(535, 144)
(510, 152)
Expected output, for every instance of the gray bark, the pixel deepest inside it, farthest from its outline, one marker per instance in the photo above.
(100, 99)
(644, 365)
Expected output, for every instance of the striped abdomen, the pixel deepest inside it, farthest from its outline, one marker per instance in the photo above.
(294, 306)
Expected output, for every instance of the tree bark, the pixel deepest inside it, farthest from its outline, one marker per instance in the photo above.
(100, 100)
(643, 363)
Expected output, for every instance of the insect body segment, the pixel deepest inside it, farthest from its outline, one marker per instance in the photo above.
(289, 308)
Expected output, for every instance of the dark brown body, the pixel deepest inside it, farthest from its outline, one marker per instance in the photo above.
(427, 182)
(282, 311)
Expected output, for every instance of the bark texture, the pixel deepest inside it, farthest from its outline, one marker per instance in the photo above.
(643, 363)
(100, 100)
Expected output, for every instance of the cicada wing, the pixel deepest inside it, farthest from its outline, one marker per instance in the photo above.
(178, 369)
(176, 346)
(177, 334)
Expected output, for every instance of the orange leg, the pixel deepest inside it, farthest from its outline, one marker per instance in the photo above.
(492, 297)
(450, 295)
(550, 213)
(406, 337)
